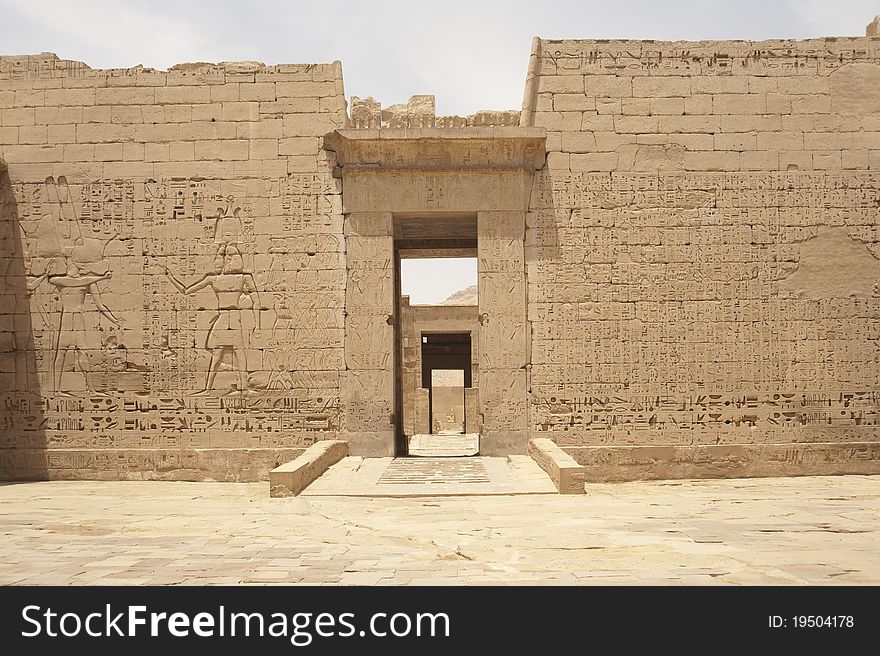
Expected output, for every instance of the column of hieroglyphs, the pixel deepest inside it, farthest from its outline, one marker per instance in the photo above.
(175, 274)
(704, 256)
(368, 390)
(502, 333)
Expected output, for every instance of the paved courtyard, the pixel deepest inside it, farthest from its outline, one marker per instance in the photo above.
(759, 531)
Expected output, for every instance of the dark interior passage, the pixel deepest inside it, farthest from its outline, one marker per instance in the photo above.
(446, 351)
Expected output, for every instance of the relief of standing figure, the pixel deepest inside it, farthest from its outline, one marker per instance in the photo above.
(84, 268)
(81, 279)
(237, 296)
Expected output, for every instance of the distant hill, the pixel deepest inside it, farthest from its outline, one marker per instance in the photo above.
(467, 296)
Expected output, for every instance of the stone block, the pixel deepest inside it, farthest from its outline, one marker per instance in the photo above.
(293, 477)
(594, 162)
(661, 86)
(739, 103)
(38, 134)
(608, 86)
(240, 111)
(561, 84)
(736, 141)
(567, 475)
(261, 91)
(811, 104)
(125, 96)
(18, 116)
(578, 102)
(186, 95)
(234, 149)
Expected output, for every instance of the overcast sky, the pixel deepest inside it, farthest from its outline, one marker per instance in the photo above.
(432, 281)
(471, 54)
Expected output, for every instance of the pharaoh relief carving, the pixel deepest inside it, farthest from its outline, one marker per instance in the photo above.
(157, 292)
(61, 253)
(237, 318)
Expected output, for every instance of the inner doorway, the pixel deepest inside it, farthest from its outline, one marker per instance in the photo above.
(447, 366)
(436, 331)
(447, 372)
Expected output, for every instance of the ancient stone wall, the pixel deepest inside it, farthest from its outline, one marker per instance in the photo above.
(174, 268)
(703, 256)
(182, 298)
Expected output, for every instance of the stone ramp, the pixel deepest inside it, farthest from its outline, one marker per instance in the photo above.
(454, 444)
(434, 471)
(432, 476)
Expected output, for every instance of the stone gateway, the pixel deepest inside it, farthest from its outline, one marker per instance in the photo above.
(678, 249)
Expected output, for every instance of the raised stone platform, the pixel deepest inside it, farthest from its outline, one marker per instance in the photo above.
(607, 464)
(425, 476)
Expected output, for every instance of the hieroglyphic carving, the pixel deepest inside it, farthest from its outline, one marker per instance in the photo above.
(669, 312)
(233, 327)
(129, 363)
(778, 58)
(42, 66)
(615, 417)
(148, 188)
(59, 251)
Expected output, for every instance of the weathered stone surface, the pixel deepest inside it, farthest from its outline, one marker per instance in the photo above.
(854, 89)
(365, 113)
(702, 256)
(566, 474)
(715, 532)
(419, 112)
(174, 281)
(678, 261)
(293, 477)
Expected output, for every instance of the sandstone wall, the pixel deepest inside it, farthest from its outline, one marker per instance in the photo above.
(158, 226)
(703, 256)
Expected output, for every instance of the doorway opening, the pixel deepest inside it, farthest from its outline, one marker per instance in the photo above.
(436, 332)
(447, 373)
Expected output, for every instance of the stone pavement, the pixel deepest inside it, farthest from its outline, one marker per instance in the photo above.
(443, 445)
(426, 476)
(750, 531)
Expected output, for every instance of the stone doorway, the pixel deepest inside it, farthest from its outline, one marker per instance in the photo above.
(436, 400)
(403, 192)
(444, 393)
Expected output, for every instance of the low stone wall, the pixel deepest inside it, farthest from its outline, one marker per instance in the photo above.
(293, 477)
(635, 463)
(566, 474)
(232, 465)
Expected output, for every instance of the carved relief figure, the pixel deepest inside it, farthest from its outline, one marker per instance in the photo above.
(74, 270)
(228, 225)
(81, 279)
(230, 330)
(279, 377)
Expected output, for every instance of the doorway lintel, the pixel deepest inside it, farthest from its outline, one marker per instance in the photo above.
(437, 149)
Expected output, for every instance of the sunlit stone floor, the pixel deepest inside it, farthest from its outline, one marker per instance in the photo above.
(750, 531)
